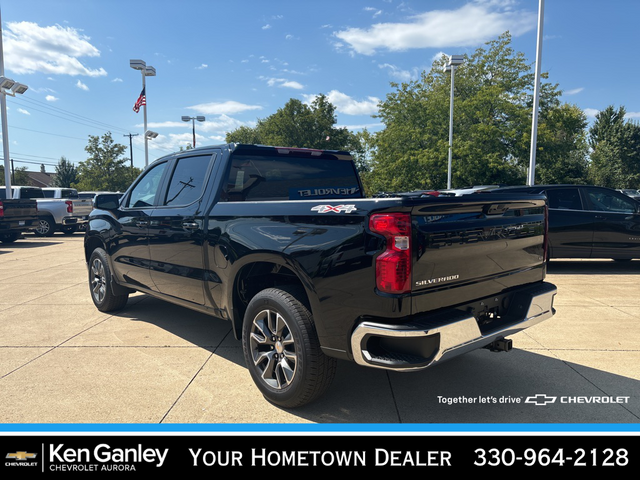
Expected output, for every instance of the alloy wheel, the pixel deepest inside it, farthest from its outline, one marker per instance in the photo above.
(273, 349)
(98, 280)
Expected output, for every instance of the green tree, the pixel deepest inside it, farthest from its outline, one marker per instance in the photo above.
(19, 176)
(66, 174)
(298, 125)
(106, 168)
(492, 125)
(615, 150)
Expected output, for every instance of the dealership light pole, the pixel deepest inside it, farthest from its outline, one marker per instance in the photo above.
(7, 87)
(531, 180)
(193, 121)
(147, 71)
(454, 61)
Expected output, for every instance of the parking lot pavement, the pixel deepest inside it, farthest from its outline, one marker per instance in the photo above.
(63, 361)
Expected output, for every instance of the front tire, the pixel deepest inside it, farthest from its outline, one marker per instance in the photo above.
(282, 350)
(100, 283)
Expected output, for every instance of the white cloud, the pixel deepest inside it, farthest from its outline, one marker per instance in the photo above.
(221, 124)
(55, 49)
(371, 9)
(362, 126)
(266, 27)
(222, 108)
(573, 91)
(632, 115)
(23, 111)
(469, 25)
(402, 75)
(202, 66)
(282, 82)
(51, 98)
(117, 80)
(591, 112)
(347, 105)
(82, 86)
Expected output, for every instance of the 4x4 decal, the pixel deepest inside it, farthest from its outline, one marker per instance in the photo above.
(334, 208)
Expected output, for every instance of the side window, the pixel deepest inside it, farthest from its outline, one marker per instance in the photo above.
(564, 199)
(143, 194)
(602, 200)
(187, 180)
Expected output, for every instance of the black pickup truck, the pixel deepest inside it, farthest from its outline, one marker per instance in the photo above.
(16, 216)
(281, 243)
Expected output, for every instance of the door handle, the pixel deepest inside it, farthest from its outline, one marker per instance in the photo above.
(190, 225)
(142, 223)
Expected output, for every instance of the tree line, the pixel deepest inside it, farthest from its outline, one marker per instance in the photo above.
(492, 133)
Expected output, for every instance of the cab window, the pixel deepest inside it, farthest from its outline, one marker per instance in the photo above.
(144, 193)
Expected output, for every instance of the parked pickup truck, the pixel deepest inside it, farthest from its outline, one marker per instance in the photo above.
(281, 243)
(16, 216)
(81, 206)
(53, 213)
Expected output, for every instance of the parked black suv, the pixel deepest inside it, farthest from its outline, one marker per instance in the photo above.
(586, 221)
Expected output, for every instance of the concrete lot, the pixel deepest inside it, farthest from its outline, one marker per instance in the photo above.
(63, 361)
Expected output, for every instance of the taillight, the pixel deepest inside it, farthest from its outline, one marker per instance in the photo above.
(393, 266)
(1, 210)
(69, 206)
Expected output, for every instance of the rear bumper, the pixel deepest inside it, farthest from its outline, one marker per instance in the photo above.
(431, 339)
(74, 220)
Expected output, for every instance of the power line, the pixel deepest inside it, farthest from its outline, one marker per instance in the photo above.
(98, 124)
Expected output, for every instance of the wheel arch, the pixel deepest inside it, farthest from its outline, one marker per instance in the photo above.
(259, 274)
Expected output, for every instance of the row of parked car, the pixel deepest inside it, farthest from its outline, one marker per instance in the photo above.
(585, 221)
(43, 211)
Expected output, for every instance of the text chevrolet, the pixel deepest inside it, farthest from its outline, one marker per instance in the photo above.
(281, 243)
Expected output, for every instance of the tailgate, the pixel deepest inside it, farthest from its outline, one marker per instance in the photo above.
(18, 212)
(82, 207)
(476, 245)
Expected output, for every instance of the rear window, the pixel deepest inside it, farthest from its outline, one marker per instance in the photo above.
(31, 193)
(255, 177)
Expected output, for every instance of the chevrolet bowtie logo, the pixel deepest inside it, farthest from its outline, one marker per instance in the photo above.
(540, 399)
(20, 455)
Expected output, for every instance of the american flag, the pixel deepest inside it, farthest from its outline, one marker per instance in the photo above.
(142, 100)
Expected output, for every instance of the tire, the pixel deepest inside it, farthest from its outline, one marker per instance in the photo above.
(100, 284)
(282, 350)
(9, 237)
(45, 227)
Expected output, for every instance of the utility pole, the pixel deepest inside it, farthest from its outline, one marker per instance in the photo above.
(131, 135)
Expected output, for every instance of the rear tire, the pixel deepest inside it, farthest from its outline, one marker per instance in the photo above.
(101, 283)
(9, 237)
(282, 350)
(45, 227)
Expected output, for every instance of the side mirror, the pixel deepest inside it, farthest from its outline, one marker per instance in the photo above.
(107, 201)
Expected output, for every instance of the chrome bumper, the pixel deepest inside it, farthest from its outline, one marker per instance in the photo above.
(447, 334)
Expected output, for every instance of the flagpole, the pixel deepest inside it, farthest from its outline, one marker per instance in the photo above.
(146, 139)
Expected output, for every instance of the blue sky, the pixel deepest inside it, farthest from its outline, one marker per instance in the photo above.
(236, 61)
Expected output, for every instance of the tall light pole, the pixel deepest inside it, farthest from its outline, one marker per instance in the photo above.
(7, 87)
(193, 121)
(147, 71)
(531, 180)
(454, 61)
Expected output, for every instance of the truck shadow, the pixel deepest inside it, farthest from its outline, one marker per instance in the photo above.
(480, 387)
